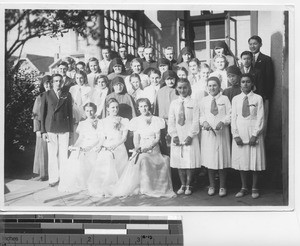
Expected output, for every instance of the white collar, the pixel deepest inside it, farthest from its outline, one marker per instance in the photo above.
(215, 97)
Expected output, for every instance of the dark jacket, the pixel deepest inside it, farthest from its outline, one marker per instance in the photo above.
(265, 66)
(56, 113)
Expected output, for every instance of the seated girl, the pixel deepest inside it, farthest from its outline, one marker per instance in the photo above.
(148, 171)
(75, 173)
(112, 157)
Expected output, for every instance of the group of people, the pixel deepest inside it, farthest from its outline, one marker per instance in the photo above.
(115, 127)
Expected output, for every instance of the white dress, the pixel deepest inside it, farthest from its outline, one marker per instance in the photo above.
(215, 149)
(149, 174)
(248, 157)
(110, 164)
(185, 156)
(98, 97)
(199, 90)
(80, 96)
(92, 78)
(75, 173)
(150, 92)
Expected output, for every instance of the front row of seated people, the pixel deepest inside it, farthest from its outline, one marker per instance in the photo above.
(200, 136)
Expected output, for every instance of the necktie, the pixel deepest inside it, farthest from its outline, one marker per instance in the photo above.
(246, 108)
(181, 115)
(214, 108)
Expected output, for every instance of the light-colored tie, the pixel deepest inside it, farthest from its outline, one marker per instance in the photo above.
(181, 114)
(214, 108)
(246, 108)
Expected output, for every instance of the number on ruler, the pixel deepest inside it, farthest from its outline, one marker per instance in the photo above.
(89, 239)
(138, 240)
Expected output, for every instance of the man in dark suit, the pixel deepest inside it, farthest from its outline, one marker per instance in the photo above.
(125, 57)
(169, 55)
(149, 61)
(67, 81)
(264, 64)
(56, 125)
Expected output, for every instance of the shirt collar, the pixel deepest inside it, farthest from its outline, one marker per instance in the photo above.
(248, 95)
(216, 97)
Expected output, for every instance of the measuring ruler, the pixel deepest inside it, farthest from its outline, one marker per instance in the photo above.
(64, 229)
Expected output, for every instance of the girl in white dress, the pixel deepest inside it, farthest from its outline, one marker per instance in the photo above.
(75, 173)
(150, 91)
(80, 96)
(221, 63)
(215, 112)
(248, 152)
(93, 70)
(183, 127)
(112, 157)
(136, 86)
(148, 171)
(98, 94)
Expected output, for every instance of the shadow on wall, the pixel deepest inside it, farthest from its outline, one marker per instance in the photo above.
(274, 135)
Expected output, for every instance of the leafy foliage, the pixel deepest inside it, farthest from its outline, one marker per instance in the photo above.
(18, 109)
(32, 23)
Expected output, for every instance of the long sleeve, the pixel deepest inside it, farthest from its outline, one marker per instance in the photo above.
(43, 113)
(226, 118)
(172, 120)
(70, 112)
(36, 114)
(259, 117)
(234, 130)
(195, 125)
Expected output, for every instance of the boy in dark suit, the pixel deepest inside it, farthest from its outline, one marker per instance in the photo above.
(149, 61)
(264, 64)
(56, 125)
(67, 82)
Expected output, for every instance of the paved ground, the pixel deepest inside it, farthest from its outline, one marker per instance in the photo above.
(36, 193)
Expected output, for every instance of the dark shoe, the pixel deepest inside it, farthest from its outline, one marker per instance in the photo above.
(53, 184)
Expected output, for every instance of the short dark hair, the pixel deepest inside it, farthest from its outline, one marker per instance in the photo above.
(90, 104)
(63, 63)
(56, 75)
(257, 38)
(184, 81)
(216, 79)
(247, 53)
(106, 47)
(146, 100)
(248, 75)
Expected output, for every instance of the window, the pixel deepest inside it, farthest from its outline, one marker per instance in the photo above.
(119, 28)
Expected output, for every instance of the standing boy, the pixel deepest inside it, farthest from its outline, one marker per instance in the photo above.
(56, 125)
(264, 64)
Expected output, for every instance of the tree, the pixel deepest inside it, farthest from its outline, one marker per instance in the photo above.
(32, 23)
